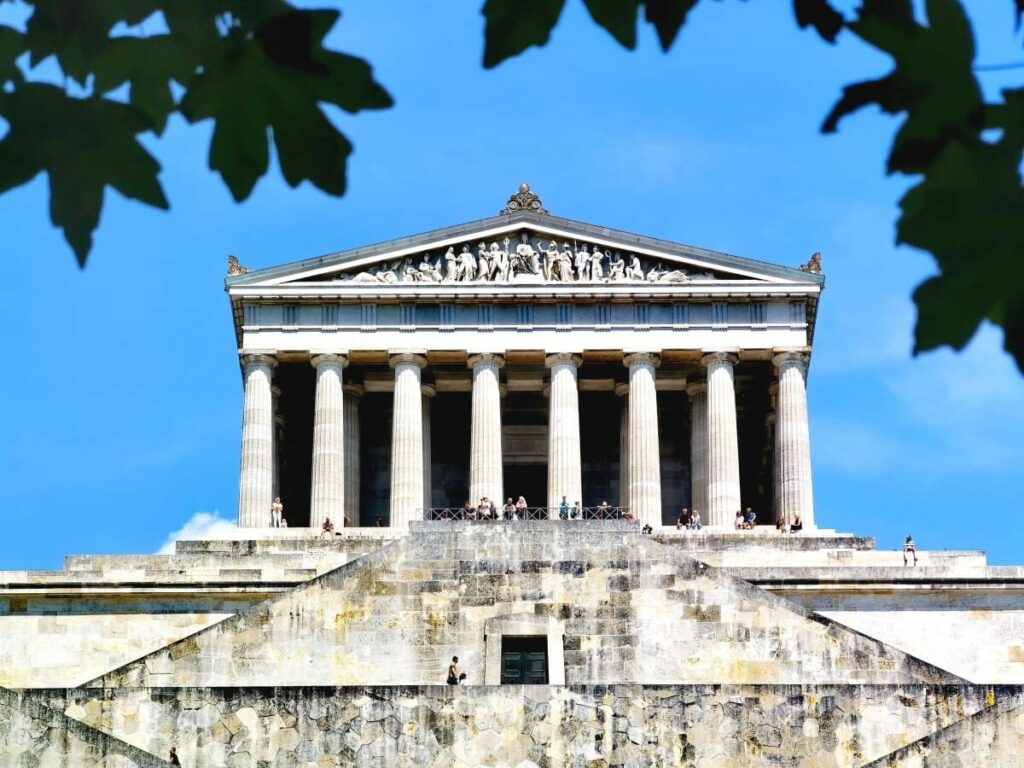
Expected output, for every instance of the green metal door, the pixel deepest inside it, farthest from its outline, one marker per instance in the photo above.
(524, 661)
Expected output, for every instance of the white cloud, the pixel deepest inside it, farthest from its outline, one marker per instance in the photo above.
(202, 525)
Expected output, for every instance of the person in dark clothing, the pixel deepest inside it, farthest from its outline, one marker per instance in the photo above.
(454, 675)
(173, 758)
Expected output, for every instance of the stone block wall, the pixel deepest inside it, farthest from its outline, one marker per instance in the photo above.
(623, 607)
(527, 726)
(32, 735)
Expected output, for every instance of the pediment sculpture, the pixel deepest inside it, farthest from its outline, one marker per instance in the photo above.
(531, 260)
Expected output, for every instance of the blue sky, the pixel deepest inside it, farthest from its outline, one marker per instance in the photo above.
(121, 392)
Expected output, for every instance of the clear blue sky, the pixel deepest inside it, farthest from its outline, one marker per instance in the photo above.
(121, 392)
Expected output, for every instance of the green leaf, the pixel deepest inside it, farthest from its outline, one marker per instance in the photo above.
(76, 31)
(949, 311)
(819, 14)
(12, 45)
(618, 17)
(276, 78)
(149, 64)
(668, 17)
(513, 26)
(102, 151)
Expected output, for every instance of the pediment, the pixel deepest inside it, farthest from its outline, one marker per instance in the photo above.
(524, 249)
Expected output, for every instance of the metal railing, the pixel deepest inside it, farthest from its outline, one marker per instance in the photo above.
(601, 512)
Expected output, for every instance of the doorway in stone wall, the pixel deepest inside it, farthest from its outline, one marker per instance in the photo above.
(524, 660)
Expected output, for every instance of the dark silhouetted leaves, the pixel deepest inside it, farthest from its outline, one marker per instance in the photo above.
(618, 17)
(257, 67)
(101, 151)
(668, 17)
(275, 79)
(12, 45)
(820, 15)
(513, 26)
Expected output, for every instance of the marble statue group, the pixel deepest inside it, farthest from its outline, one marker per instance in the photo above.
(527, 261)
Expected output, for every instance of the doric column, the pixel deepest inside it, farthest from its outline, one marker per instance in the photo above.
(564, 467)
(353, 393)
(407, 440)
(428, 391)
(723, 444)
(644, 448)
(794, 443)
(622, 391)
(698, 394)
(255, 485)
(327, 488)
(485, 469)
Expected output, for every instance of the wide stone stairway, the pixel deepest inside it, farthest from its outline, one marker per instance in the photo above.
(652, 657)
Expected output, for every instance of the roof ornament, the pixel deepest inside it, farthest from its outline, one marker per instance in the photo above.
(234, 268)
(813, 264)
(523, 200)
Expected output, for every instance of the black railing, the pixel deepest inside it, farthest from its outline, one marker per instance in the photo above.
(600, 512)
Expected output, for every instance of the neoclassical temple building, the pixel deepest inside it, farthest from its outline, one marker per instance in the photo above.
(558, 359)
(520, 355)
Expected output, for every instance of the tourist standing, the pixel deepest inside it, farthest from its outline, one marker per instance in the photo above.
(576, 513)
(173, 757)
(521, 508)
(276, 511)
(563, 509)
(909, 547)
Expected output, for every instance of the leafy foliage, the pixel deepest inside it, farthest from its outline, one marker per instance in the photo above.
(967, 210)
(258, 68)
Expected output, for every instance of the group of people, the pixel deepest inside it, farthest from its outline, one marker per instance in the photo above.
(520, 510)
(689, 520)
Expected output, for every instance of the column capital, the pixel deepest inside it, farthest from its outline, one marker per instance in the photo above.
(696, 387)
(562, 358)
(791, 356)
(639, 358)
(485, 358)
(622, 390)
(252, 359)
(328, 358)
(353, 390)
(407, 358)
(428, 390)
(718, 356)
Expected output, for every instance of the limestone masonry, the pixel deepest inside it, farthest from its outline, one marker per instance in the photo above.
(526, 357)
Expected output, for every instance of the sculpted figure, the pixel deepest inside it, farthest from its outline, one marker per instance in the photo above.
(526, 258)
(410, 274)
(596, 266)
(451, 262)
(672, 276)
(467, 265)
(634, 271)
(583, 263)
(483, 268)
(550, 259)
(616, 268)
(565, 264)
(430, 272)
(499, 262)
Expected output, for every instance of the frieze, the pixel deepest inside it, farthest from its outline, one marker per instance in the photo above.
(531, 260)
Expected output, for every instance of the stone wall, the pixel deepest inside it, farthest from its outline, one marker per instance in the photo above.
(527, 726)
(621, 606)
(63, 628)
(33, 735)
